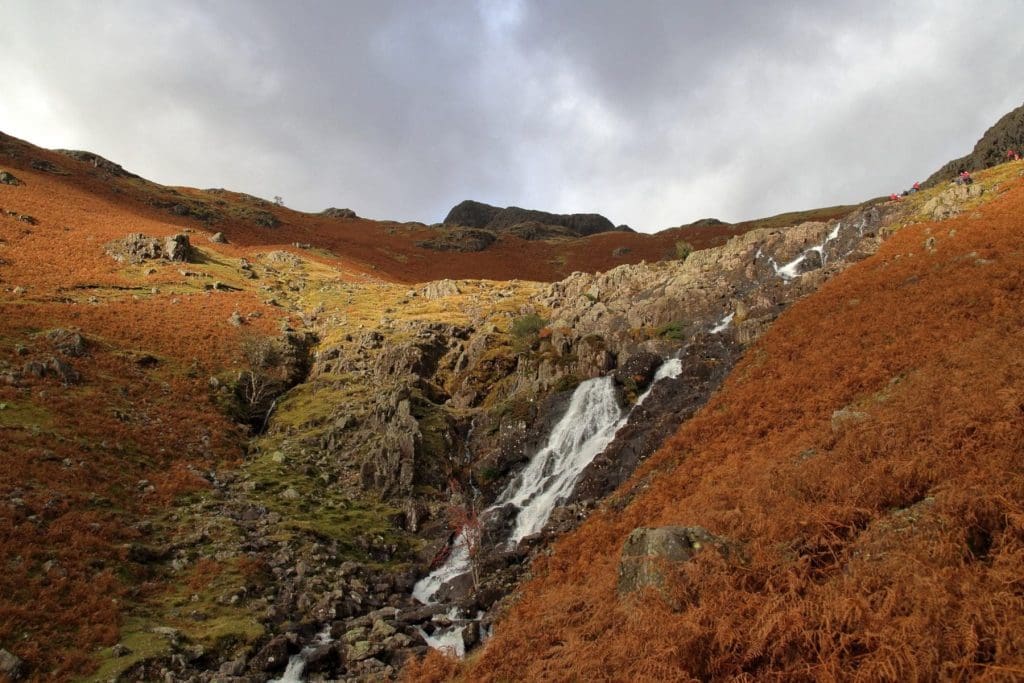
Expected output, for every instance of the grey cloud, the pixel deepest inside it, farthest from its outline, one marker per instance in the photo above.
(655, 113)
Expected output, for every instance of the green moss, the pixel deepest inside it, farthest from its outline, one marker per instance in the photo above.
(672, 330)
(137, 637)
(20, 415)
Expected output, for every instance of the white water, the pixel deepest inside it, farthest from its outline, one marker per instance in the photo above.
(297, 663)
(791, 270)
(723, 324)
(457, 564)
(586, 429)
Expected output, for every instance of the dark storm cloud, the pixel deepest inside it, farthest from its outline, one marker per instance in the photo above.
(654, 113)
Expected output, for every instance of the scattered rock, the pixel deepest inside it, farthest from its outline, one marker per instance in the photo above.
(121, 650)
(236, 319)
(9, 179)
(53, 367)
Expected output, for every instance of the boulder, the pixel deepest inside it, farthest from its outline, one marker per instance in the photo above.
(439, 289)
(274, 655)
(338, 213)
(136, 248)
(845, 418)
(327, 657)
(218, 238)
(11, 667)
(52, 367)
(8, 179)
(649, 554)
(638, 370)
(68, 342)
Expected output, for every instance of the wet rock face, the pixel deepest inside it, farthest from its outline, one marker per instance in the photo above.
(706, 362)
(650, 553)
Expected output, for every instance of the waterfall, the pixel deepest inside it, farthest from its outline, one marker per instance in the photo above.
(583, 432)
(587, 427)
(297, 663)
(792, 269)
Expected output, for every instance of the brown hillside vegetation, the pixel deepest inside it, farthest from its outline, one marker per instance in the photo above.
(86, 205)
(886, 546)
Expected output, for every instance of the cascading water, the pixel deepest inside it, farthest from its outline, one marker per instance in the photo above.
(792, 269)
(586, 429)
(297, 663)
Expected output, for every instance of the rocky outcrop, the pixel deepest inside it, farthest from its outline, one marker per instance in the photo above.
(68, 342)
(136, 248)
(334, 212)
(96, 161)
(459, 239)
(535, 230)
(479, 215)
(1006, 134)
(950, 202)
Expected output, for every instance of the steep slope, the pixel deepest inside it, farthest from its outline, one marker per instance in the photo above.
(863, 465)
(1006, 134)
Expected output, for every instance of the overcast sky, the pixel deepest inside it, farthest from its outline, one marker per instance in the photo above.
(652, 113)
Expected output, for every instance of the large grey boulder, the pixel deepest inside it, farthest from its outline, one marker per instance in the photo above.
(649, 554)
(335, 212)
(10, 666)
(136, 248)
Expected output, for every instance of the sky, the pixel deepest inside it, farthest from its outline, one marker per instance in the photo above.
(652, 113)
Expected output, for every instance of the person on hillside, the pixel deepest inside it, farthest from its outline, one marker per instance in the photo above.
(894, 197)
(1012, 155)
(965, 178)
(915, 188)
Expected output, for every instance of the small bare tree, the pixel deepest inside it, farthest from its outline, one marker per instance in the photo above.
(464, 519)
(261, 381)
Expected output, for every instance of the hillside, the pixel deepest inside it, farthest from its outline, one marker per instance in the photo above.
(245, 443)
(1007, 134)
(857, 483)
